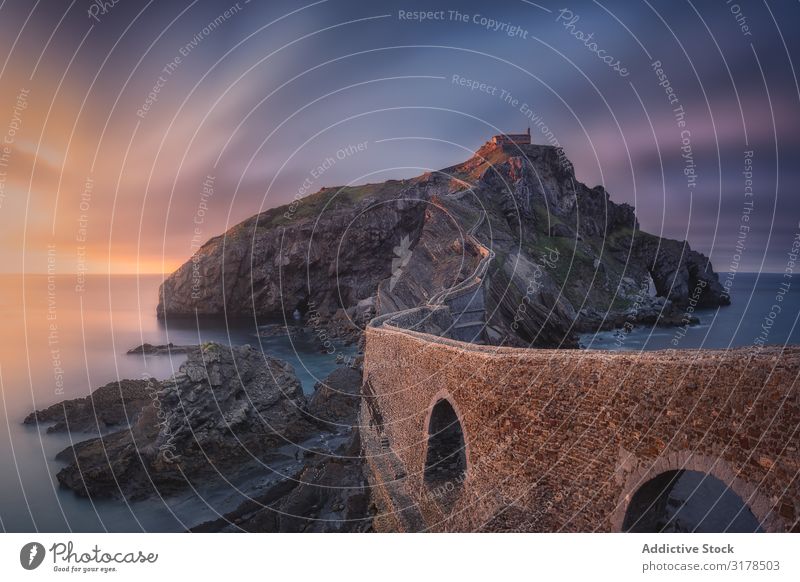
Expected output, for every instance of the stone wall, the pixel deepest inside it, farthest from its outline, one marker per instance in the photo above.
(560, 440)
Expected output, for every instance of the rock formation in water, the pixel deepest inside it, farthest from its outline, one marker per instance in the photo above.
(228, 412)
(147, 349)
(225, 406)
(565, 257)
(113, 406)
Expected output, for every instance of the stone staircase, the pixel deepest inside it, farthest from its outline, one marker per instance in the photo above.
(466, 300)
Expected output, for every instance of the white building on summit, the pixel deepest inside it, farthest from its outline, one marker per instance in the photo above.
(512, 138)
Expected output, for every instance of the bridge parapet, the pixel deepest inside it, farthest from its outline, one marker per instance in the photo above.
(559, 440)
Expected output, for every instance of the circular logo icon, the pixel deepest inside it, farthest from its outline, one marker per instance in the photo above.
(31, 555)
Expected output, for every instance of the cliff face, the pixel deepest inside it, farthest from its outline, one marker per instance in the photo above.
(329, 250)
(566, 258)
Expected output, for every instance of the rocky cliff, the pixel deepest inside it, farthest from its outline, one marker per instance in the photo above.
(564, 257)
(328, 250)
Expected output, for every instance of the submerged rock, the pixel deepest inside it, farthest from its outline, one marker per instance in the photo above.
(160, 349)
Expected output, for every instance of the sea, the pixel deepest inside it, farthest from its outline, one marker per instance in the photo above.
(764, 310)
(61, 342)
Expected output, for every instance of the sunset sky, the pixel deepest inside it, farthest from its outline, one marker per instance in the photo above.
(251, 100)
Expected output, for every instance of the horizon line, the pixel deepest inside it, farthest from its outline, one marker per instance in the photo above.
(106, 274)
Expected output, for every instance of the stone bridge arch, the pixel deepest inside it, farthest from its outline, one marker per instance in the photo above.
(559, 440)
(441, 402)
(717, 467)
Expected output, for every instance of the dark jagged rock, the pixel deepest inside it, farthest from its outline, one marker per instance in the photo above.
(226, 406)
(329, 494)
(336, 399)
(225, 412)
(529, 304)
(679, 273)
(114, 405)
(563, 253)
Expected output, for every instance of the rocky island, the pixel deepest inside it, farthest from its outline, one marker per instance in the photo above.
(564, 258)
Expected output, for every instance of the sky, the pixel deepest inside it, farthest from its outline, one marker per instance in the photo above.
(131, 132)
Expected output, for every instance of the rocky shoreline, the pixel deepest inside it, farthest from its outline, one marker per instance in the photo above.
(227, 413)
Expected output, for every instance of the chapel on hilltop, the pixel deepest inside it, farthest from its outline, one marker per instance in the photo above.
(512, 138)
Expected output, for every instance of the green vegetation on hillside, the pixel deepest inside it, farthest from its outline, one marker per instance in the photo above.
(327, 199)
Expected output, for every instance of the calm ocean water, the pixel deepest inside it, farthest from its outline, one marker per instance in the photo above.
(59, 344)
(763, 310)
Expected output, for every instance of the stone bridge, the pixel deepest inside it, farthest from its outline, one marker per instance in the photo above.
(463, 437)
